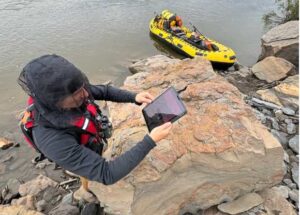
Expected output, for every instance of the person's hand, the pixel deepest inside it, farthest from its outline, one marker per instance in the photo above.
(144, 97)
(160, 132)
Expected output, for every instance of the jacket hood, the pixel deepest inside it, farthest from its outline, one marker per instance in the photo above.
(49, 79)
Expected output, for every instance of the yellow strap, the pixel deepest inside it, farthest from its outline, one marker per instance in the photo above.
(84, 183)
(25, 117)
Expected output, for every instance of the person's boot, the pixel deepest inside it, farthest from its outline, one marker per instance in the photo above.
(84, 193)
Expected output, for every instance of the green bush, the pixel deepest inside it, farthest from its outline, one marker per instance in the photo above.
(287, 10)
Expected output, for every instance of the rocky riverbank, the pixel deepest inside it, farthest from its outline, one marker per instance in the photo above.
(235, 152)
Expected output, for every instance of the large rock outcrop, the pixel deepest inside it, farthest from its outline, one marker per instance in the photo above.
(216, 153)
(282, 41)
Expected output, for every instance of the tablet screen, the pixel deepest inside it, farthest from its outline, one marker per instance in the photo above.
(167, 107)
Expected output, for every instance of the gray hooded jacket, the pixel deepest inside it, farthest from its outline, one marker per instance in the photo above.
(50, 78)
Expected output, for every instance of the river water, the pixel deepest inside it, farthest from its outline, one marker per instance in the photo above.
(102, 38)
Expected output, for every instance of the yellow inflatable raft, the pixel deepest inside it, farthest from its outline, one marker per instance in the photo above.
(168, 28)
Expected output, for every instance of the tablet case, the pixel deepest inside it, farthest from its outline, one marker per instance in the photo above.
(156, 119)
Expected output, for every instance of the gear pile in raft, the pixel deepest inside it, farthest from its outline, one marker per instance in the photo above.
(169, 28)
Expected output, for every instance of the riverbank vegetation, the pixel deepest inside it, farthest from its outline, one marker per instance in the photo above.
(287, 10)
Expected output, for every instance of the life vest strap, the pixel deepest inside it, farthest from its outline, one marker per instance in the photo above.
(87, 127)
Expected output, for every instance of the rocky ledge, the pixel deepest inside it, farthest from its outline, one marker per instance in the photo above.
(216, 153)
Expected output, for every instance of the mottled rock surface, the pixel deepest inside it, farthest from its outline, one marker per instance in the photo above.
(282, 41)
(217, 152)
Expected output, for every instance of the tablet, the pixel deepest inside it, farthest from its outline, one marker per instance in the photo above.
(167, 107)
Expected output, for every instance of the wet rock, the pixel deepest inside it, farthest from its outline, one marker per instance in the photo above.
(5, 143)
(275, 203)
(27, 201)
(36, 185)
(295, 173)
(282, 41)
(241, 204)
(17, 210)
(273, 69)
(294, 144)
(216, 152)
(64, 209)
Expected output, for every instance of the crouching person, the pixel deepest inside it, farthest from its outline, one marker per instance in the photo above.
(64, 123)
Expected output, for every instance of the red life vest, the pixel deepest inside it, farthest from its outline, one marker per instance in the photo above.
(89, 127)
